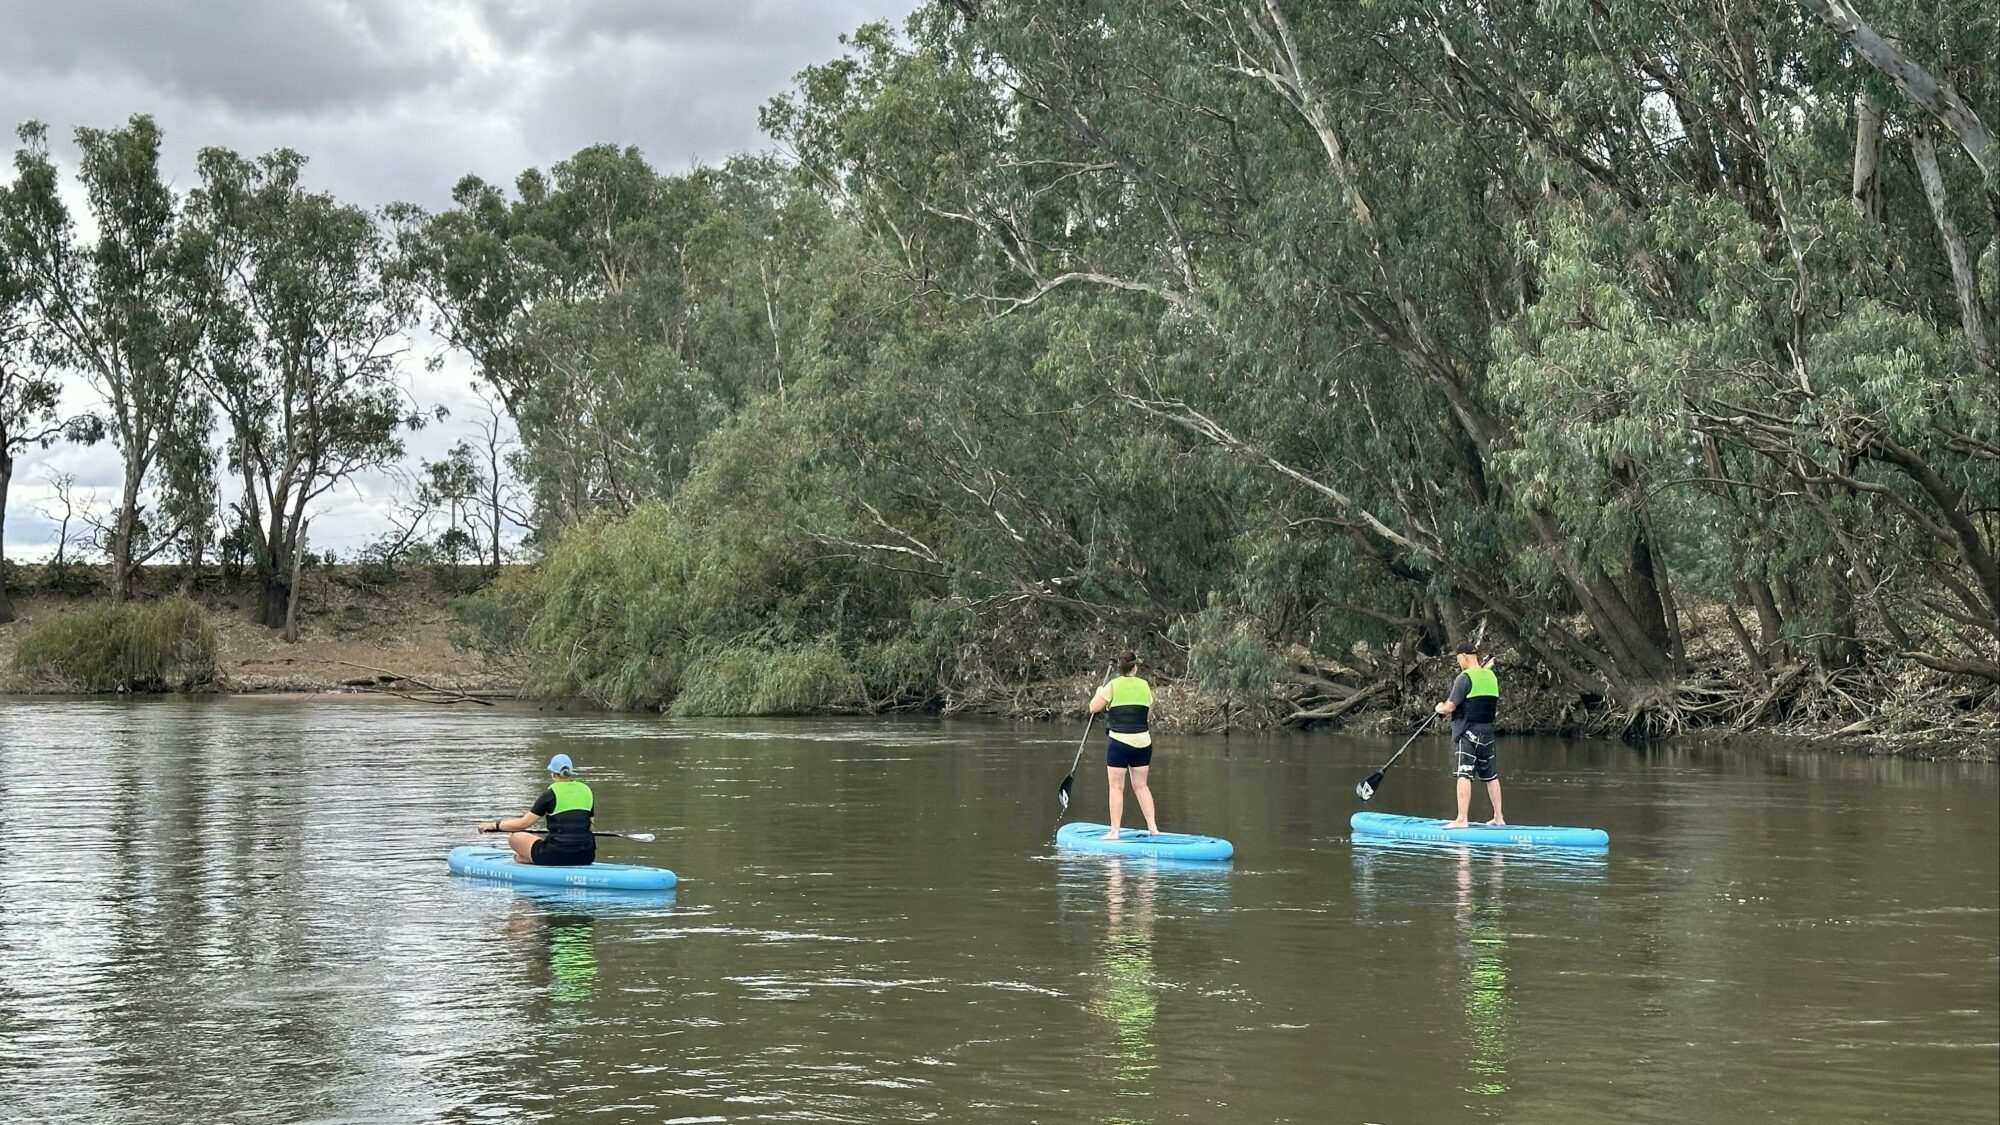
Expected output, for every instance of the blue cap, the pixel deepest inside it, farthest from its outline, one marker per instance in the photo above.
(561, 764)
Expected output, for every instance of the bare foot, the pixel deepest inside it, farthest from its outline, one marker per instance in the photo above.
(1497, 822)
(1455, 824)
(1111, 835)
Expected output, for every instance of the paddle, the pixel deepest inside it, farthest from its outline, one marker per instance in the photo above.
(641, 837)
(1366, 788)
(1069, 782)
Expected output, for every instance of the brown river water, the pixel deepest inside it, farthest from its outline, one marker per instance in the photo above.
(238, 910)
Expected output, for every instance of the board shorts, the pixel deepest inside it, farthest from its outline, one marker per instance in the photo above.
(1473, 755)
(1119, 756)
(559, 853)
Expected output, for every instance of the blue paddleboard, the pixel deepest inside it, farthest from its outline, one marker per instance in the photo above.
(1084, 837)
(498, 863)
(1508, 835)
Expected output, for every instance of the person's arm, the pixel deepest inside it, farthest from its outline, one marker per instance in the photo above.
(1459, 688)
(512, 824)
(1101, 700)
(544, 805)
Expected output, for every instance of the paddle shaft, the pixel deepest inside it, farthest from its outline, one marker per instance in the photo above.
(1069, 779)
(1081, 743)
(642, 837)
(1406, 744)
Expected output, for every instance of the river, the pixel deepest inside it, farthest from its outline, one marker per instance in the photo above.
(238, 909)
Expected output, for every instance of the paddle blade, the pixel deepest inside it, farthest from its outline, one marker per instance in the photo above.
(1367, 786)
(642, 837)
(1062, 793)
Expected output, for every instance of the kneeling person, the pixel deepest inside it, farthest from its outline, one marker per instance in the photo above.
(567, 805)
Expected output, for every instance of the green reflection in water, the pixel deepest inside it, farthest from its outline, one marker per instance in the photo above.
(567, 944)
(572, 960)
(1126, 993)
(1488, 1007)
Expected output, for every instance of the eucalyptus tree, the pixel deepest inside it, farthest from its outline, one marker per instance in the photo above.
(1535, 309)
(124, 308)
(619, 315)
(475, 282)
(29, 393)
(305, 323)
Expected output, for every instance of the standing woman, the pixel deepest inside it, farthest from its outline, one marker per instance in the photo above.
(1127, 701)
(568, 804)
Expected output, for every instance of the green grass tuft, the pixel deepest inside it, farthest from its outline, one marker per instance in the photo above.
(168, 645)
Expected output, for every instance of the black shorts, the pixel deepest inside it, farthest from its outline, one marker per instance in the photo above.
(1117, 755)
(561, 853)
(1474, 754)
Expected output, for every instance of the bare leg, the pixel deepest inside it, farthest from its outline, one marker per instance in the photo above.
(1145, 797)
(1493, 794)
(1115, 775)
(1464, 802)
(523, 844)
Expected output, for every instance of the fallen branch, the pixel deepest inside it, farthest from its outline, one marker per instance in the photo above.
(1958, 666)
(452, 695)
(1335, 711)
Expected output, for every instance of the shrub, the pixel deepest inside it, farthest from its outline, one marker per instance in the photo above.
(750, 680)
(494, 619)
(168, 645)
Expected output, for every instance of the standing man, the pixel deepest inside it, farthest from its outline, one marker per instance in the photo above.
(568, 805)
(1473, 705)
(1127, 701)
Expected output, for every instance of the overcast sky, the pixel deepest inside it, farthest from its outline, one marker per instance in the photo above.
(394, 100)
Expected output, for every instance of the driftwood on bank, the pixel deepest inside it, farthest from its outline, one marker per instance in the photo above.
(430, 693)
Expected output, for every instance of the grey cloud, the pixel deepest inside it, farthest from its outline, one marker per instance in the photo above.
(396, 99)
(523, 25)
(681, 81)
(250, 57)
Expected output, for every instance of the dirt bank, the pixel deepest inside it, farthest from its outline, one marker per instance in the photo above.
(355, 628)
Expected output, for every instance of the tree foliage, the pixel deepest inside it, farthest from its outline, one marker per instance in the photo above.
(302, 325)
(123, 309)
(1601, 326)
(1291, 343)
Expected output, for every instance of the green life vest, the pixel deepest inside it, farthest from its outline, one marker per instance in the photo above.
(571, 796)
(1131, 702)
(569, 821)
(1482, 697)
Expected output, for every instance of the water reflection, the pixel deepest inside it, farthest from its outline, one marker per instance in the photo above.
(1385, 864)
(563, 948)
(554, 931)
(1126, 902)
(1125, 991)
(1482, 933)
(1401, 883)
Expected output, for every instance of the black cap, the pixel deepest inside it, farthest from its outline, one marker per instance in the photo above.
(1467, 649)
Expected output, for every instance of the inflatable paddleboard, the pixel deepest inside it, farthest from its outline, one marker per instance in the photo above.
(498, 863)
(1508, 835)
(1084, 837)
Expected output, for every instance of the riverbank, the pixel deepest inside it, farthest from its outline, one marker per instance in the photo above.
(358, 632)
(367, 631)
